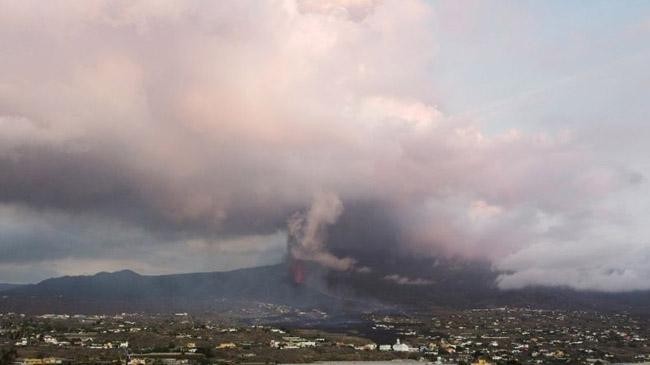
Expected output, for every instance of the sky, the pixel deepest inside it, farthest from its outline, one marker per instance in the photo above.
(165, 136)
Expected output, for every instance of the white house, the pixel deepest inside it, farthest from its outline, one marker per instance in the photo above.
(385, 347)
(401, 347)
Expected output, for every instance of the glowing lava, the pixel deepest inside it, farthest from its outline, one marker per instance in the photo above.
(297, 271)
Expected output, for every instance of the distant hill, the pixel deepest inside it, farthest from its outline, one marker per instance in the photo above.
(454, 285)
(466, 285)
(4, 286)
(126, 291)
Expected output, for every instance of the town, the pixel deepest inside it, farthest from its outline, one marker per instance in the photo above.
(479, 336)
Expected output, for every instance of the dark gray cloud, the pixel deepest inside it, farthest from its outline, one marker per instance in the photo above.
(183, 136)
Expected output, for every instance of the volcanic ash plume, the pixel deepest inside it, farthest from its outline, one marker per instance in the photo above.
(307, 233)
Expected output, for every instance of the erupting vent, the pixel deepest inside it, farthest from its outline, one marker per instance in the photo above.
(297, 271)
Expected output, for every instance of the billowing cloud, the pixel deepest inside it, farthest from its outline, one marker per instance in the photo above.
(307, 233)
(210, 124)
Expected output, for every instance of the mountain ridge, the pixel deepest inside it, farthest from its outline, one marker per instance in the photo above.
(462, 287)
(126, 290)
